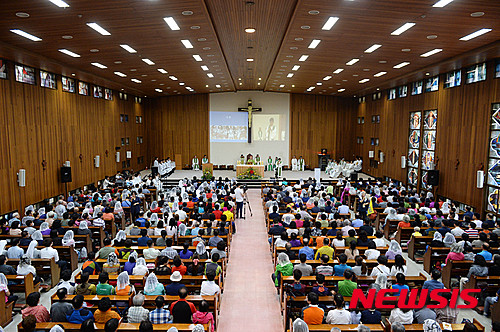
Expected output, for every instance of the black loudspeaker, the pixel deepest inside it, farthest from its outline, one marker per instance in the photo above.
(354, 176)
(154, 171)
(65, 174)
(433, 177)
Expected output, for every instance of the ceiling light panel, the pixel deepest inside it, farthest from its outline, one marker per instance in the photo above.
(186, 43)
(338, 71)
(351, 62)
(98, 65)
(197, 57)
(148, 61)
(128, 48)
(314, 43)
(171, 23)
(441, 3)
(59, 3)
(472, 35)
(163, 71)
(403, 28)
(431, 52)
(380, 74)
(68, 52)
(25, 35)
(373, 48)
(303, 58)
(117, 73)
(294, 68)
(401, 65)
(99, 29)
(330, 23)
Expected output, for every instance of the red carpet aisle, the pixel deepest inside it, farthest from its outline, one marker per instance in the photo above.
(249, 302)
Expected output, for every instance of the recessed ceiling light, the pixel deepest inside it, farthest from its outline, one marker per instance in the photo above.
(205, 68)
(340, 90)
(380, 74)
(472, 35)
(314, 43)
(217, 86)
(303, 58)
(406, 50)
(144, 75)
(241, 83)
(94, 50)
(299, 39)
(210, 75)
(135, 80)
(355, 75)
(186, 43)
(25, 35)
(173, 78)
(382, 61)
(133, 69)
(153, 80)
(68, 52)
(305, 27)
(120, 74)
(162, 83)
(432, 37)
(99, 29)
(427, 74)
(197, 57)
(98, 65)
(441, 3)
(159, 90)
(293, 85)
(344, 80)
(282, 85)
(187, 12)
(401, 65)
(59, 3)
(249, 30)
(338, 71)
(319, 83)
(22, 15)
(326, 78)
(182, 83)
(67, 37)
(330, 23)
(202, 39)
(351, 62)
(431, 52)
(290, 75)
(286, 60)
(171, 23)
(337, 83)
(195, 27)
(366, 69)
(313, 12)
(373, 48)
(128, 48)
(73, 74)
(364, 80)
(294, 48)
(249, 59)
(163, 71)
(149, 62)
(403, 28)
(475, 14)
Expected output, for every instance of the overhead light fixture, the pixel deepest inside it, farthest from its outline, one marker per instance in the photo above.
(99, 29)
(171, 23)
(249, 30)
(136, 80)
(282, 85)
(351, 62)
(68, 52)
(441, 3)
(182, 83)
(340, 90)
(249, 59)
(330, 23)
(173, 78)
(326, 78)
(59, 3)
(163, 71)
(290, 75)
(159, 90)
(128, 48)
(119, 74)
(25, 35)
(294, 68)
(258, 83)
(380, 74)
(303, 58)
(472, 35)
(319, 83)
(373, 48)
(98, 65)
(314, 43)
(402, 29)
(364, 80)
(432, 52)
(210, 75)
(197, 57)
(338, 71)
(205, 68)
(149, 62)
(401, 65)
(217, 86)
(186, 43)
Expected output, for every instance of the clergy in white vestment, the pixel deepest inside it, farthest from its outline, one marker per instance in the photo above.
(295, 164)
(195, 163)
(302, 164)
(270, 164)
(279, 168)
(204, 160)
(156, 163)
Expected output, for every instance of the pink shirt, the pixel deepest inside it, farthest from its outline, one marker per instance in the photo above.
(454, 256)
(299, 223)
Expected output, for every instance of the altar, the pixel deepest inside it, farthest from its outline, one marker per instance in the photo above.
(242, 168)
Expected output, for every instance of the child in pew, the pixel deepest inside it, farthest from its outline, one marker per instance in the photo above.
(104, 288)
(85, 288)
(320, 289)
(202, 316)
(297, 288)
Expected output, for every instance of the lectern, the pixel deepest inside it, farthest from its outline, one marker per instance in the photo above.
(323, 161)
(208, 167)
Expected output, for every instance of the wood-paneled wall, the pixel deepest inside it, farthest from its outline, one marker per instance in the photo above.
(178, 125)
(43, 124)
(318, 122)
(462, 134)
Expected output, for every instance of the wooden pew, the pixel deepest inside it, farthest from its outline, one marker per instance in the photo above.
(5, 310)
(124, 327)
(493, 283)
(420, 327)
(338, 251)
(456, 269)
(43, 267)
(370, 264)
(23, 284)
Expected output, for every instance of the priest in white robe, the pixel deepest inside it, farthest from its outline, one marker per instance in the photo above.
(279, 168)
(295, 164)
(204, 160)
(270, 164)
(302, 164)
(195, 164)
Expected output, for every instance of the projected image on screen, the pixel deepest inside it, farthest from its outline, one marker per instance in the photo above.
(267, 127)
(228, 127)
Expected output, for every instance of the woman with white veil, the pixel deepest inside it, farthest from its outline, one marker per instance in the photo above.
(380, 282)
(201, 250)
(140, 268)
(41, 212)
(394, 249)
(24, 267)
(83, 228)
(182, 229)
(154, 206)
(107, 197)
(37, 236)
(123, 288)
(154, 219)
(4, 287)
(300, 326)
(44, 228)
(449, 239)
(118, 209)
(3, 244)
(445, 208)
(152, 286)
(57, 328)
(119, 239)
(68, 239)
(32, 252)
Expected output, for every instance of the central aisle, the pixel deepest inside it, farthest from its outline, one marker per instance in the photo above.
(249, 302)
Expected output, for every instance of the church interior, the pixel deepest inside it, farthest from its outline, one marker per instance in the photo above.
(332, 102)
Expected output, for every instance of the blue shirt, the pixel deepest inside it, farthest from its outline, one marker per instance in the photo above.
(15, 252)
(125, 204)
(399, 288)
(79, 316)
(142, 221)
(308, 251)
(339, 269)
(143, 241)
(173, 288)
(433, 284)
(357, 223)
(486, 254)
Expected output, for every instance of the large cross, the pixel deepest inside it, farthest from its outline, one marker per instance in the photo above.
(250, 110)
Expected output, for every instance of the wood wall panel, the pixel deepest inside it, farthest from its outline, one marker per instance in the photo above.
(318, 122)
(43, 124)
(462, 134)
(178, 125)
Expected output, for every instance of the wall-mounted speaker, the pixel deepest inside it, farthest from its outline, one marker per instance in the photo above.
(21, 178)
(381, 156)
(480, 179)
(117, 156)
(433, 177)
(403, 161)
(97, 161)
(65, 174)
(371, 154)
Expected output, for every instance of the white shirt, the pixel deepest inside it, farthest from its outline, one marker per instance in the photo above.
(397, 315)
(379, 242)
(372, 254)
(337, 316)
(209, 288)
(338, 243)
(48, 253)
(343, 209)
(457, 231)
(238, 194)
(151, 253)
(380, 269)
(395, 271)
(182, 215)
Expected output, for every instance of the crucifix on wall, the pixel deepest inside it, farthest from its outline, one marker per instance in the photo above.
(250, 110)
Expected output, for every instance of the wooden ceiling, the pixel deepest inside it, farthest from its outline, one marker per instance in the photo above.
(216, 28)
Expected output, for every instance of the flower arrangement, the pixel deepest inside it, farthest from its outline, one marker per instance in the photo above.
(207, 175)
(250, 173)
